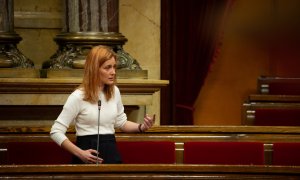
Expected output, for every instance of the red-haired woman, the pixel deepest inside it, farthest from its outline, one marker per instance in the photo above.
(83, 108)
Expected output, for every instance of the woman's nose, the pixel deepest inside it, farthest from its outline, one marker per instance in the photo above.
(113, 71)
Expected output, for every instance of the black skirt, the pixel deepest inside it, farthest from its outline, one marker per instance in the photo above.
(107, 148)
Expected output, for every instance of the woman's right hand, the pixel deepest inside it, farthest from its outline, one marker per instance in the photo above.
(87, 156)
(90, 156)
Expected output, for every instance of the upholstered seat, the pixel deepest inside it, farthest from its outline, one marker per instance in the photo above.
(286, 154)
(147, 152)
(37, 153)
(239, 153)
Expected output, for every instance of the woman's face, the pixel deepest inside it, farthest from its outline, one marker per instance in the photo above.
(108, 72)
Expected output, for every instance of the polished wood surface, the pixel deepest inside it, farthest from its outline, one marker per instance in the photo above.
(148, 171)
(67, 85)
(266, 134)
(273, 98)
(161, 129)
(148, 167)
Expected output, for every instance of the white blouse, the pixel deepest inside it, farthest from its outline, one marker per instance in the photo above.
(85, 116)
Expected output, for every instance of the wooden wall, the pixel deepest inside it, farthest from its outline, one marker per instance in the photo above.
(252, 30)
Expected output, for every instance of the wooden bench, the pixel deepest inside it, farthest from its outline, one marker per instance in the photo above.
(271, 114)
(178, 135)
(278, 85)
(276, 90)
(276, 103)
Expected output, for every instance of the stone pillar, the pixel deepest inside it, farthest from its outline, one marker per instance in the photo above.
(87, 23)
(10, 56)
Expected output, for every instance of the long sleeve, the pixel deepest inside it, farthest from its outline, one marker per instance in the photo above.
(121, 116)
(62, 123)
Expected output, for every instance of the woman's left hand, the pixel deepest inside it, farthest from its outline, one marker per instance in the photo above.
(148, 122)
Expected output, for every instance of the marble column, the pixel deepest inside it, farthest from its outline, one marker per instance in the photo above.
(87, 23)
(10, 56)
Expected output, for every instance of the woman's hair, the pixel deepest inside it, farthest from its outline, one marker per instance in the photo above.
(91, 78)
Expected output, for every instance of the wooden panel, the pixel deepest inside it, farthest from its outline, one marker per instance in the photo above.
(29, 112)
(38, 112)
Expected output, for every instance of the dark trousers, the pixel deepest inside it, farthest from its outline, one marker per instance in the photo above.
(107, 148)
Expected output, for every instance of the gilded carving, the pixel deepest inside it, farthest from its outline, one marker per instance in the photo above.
(10, 57)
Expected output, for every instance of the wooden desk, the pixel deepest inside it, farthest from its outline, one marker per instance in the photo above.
(178, 134)
(148, 171)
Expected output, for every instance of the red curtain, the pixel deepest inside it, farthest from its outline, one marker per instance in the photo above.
(193, 28)
(196, 30)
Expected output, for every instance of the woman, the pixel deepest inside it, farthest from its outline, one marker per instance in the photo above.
(96, 101)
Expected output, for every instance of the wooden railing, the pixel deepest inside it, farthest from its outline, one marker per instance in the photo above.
(148, 171)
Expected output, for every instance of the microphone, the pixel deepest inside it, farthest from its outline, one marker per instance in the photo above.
(99, 104)
(99, 107)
